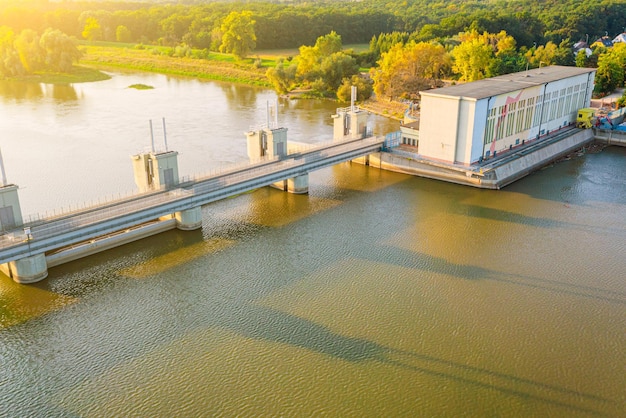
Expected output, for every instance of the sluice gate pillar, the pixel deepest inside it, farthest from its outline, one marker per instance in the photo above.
(158, 170)
(272, 142)
(351, 123)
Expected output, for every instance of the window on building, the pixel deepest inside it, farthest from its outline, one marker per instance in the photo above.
(538, 110)
(529, 113)
(546, 107)
(560, 112)
(500, 124)
(520, 117)
(491, 120)
(510, 119)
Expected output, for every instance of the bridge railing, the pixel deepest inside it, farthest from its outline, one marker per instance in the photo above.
(79, 207)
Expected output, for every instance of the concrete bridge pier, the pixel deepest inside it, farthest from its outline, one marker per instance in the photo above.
(190, 219)
(298, 185)
(27, 270)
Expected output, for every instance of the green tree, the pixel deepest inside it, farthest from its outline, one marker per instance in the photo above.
(611, 69)
(30, 53)
(609, 75)
(176, 26)
(363, 86)
(60, 50)
(122, 34)
(472, 59)
(92, 30)
(308, 63)
(324, 65)
(238, 36)
(485, 55)
(542, 55)
(282, 77)
(404, 70)
(328, 44)
(10, 64)
(336, 67)
(581, 59)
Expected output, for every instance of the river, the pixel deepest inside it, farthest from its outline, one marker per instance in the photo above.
(377, 294)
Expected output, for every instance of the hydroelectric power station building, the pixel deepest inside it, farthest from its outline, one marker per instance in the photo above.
(474, 133)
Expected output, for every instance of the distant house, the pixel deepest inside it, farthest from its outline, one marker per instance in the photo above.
(604, 41)
(620, 38)
(582, 46)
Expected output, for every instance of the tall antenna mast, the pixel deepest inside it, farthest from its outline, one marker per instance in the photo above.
(352, 97)
(164, 135)
(152, 135)
(276, 113)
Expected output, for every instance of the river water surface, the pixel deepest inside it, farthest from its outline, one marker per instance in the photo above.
(377, 294)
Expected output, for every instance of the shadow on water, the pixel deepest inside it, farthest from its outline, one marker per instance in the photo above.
(483, 212)
(425, 262)
(476, 211)
(275, 326)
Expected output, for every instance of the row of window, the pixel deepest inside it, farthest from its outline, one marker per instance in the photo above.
(516, 117)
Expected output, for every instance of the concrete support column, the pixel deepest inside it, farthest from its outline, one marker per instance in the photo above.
(27, 270)
(189, 219)
(298, 185)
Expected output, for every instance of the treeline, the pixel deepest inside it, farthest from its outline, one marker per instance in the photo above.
(413, 44)
(290, 25)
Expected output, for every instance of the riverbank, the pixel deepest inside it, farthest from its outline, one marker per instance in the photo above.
(151, 60)
(79, 74)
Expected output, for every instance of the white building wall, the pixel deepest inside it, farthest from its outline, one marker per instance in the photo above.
(438, 127)
(480, 120)
(465, 131)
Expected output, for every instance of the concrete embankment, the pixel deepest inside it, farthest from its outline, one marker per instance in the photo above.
(612, 137)
(492, 174)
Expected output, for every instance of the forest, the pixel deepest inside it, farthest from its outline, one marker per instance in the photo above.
(413, 44)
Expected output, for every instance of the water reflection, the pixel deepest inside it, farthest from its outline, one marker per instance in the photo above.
(17, 91)
(12, 91)
(239, 96)
(64, 92)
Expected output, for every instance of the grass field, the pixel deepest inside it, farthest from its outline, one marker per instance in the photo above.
(159, 59)
(181, 61)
